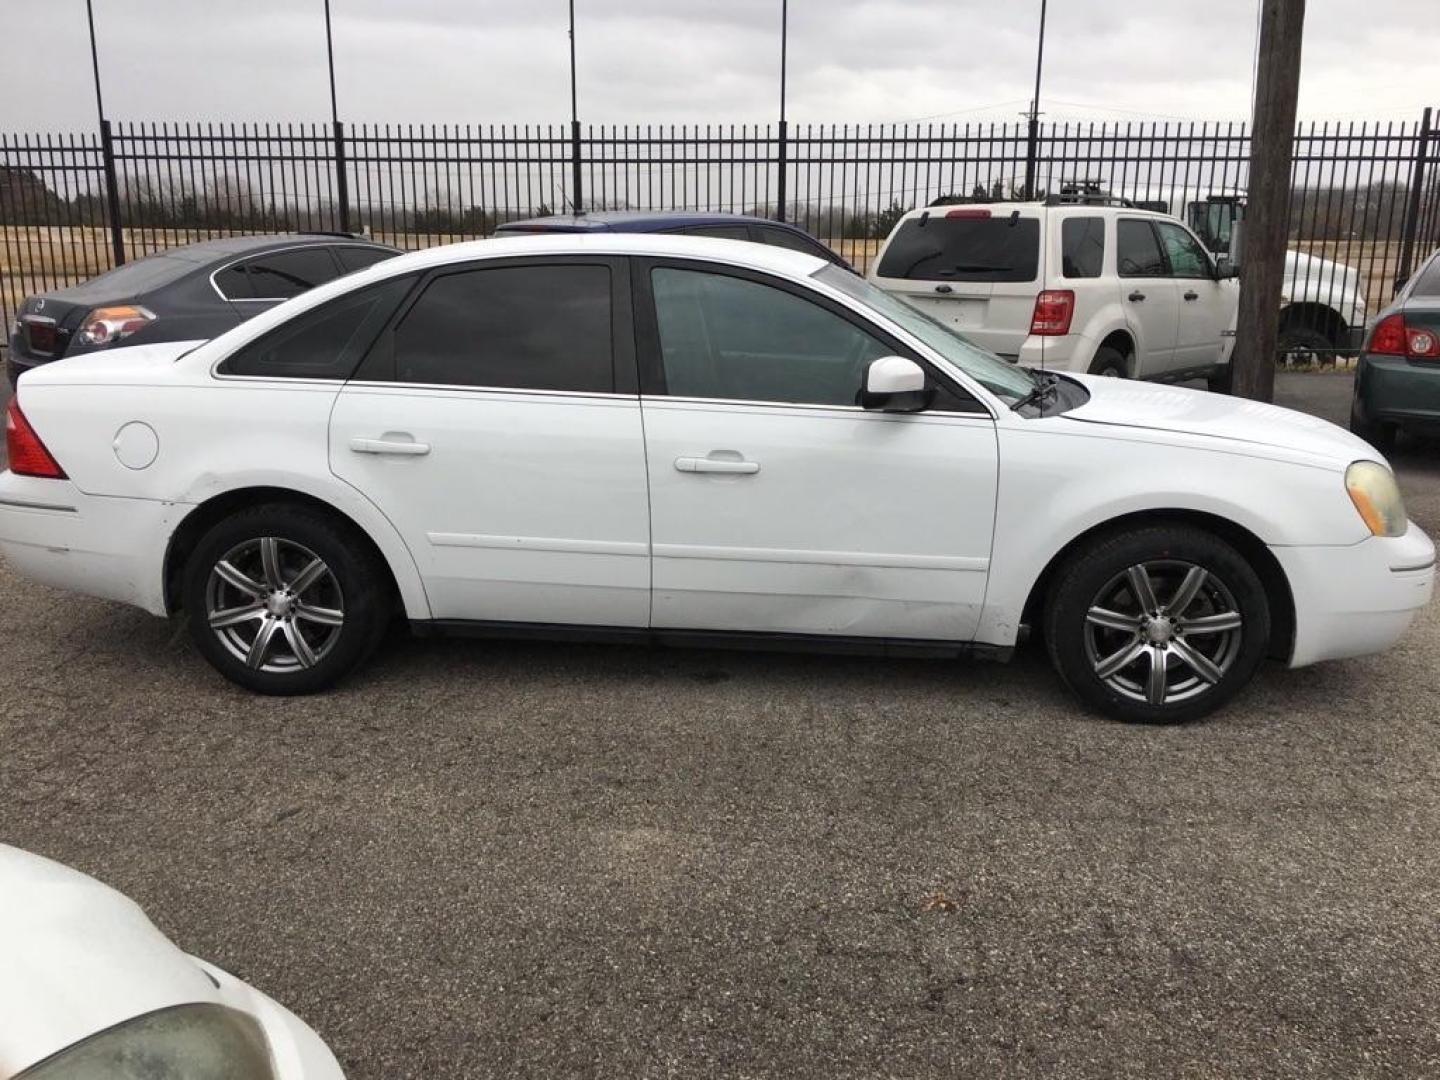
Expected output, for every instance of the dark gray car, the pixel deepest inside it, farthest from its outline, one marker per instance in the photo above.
(183, 293)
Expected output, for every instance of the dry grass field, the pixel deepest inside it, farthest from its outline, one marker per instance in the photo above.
(38, 258)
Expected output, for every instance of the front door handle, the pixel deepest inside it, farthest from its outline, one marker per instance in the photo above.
(1192, 295)
(1136, 296)
(405, 448)
(716, 465)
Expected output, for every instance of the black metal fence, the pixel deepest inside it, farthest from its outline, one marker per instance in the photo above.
(1367, 195)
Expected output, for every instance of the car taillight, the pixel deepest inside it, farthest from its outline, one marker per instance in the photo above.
(1392, 336)
(110, 324)
(28, 456)
(40, 333)
(1053, 311)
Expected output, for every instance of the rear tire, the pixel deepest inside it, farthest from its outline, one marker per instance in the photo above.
(1167, 648)
(1110, 362)
(285, 599)
(1301, 345)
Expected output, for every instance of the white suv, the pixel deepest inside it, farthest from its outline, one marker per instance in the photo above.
(1069, 284)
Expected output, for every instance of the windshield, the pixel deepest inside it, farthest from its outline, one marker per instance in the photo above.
(1005, 381)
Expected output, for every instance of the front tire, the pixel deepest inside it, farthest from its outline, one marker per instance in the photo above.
(1110, 362)
(285, 598)
(1160, 625)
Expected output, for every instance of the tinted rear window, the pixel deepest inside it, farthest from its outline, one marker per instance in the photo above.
(357, 258)
(1082, 247)
(524, 327)
(1428, 283)
(282, 274)
(964, 249)
(324, 343)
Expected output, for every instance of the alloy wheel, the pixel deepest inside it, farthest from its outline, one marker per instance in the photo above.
(1163, 651)
(274, 604)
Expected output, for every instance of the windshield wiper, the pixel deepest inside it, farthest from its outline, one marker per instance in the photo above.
(1043, 390)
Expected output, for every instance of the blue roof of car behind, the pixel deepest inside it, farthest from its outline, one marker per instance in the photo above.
(631, 221)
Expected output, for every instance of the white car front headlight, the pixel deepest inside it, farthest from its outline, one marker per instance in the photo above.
(1376, 496)
(187, 1042)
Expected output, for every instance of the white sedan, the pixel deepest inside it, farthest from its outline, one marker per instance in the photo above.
(692, 440)
(90, 990)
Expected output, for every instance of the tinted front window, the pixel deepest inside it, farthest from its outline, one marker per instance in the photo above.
(357, 258)
(1006, 381)
(1137, 252)
(964, 249)
(521, 327)
(1082, 247)
(1187, 257)
(324, 343)
(283, 274)
(726, 337)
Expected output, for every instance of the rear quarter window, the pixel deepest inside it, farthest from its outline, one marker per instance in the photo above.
(940, 248)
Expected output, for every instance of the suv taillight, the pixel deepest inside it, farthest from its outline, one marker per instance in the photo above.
(1053, 311)
(1392, 336)
(28, 456)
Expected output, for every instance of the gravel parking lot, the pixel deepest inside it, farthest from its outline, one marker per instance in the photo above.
(549, 860)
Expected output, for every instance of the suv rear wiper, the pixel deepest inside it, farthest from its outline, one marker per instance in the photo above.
(976, 268)
(1044, 389)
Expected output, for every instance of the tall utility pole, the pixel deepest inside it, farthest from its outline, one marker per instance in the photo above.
(1034, 133)
(342, 175)
(95, 62)
(578, 198)
(1267, 211)
(784, 133)
(330, 60)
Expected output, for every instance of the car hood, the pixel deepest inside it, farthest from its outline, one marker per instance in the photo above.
(78, 957)
(1199, 414)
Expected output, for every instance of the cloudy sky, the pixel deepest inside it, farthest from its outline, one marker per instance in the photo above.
(665, 61)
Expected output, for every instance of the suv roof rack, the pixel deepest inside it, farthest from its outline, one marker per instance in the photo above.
(1086, 198)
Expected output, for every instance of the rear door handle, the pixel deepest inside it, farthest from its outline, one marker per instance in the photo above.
(716, 465)
(1192, 295)
(1136, 296)
(405, 448)
(944, 289)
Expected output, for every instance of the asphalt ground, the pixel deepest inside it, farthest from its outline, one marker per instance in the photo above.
(556, 860)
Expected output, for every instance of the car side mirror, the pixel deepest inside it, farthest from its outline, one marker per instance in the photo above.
(895, 384)
(1225, 268)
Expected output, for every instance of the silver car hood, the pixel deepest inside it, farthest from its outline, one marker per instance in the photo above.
(1198, 414)
(77, 957)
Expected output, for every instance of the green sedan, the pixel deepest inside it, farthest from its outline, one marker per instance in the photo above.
(1397, 382)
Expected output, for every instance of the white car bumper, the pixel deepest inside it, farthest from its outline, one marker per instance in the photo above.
(1358, 600)
(53, 533)
(295, 1050)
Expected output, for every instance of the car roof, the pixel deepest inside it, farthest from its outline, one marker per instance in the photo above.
(204, 251)
(1005, 209)
(634, 221)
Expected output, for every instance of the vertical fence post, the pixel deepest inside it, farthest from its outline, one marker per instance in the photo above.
(782, 160)
(112, 193)
(577, 198)
(1412, 208)
(342, 179)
